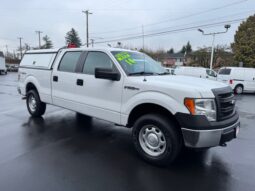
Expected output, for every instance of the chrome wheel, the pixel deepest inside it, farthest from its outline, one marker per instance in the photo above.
(152, 140)
(32, 103)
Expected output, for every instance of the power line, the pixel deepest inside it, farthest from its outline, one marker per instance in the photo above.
(188, 24)
(171, 31)
(178, 18)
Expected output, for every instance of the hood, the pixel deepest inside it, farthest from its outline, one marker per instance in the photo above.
(188, 84)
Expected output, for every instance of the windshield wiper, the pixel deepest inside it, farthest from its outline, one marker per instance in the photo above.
(141, 73)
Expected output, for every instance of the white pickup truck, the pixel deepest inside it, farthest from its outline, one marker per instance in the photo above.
(128, 88)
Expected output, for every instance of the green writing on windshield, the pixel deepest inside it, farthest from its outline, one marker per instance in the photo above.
(126, 57)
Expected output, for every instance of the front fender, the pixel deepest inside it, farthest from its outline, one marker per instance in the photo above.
(151, 97)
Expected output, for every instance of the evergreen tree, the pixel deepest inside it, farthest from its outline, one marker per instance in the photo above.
(188, 48)
(72, 37)
(244, 43)
(183, 50)
(47, 42)
(171, 51)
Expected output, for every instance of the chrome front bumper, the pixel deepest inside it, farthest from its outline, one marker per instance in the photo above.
(209, 138)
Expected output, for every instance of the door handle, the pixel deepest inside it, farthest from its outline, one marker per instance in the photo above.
(55, 78)
(79, 82)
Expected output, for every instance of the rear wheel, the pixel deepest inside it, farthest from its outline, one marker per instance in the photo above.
(35, 106)
(157, 139)
(239, 89)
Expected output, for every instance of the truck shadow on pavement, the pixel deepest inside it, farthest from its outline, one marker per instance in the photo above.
(106, 150)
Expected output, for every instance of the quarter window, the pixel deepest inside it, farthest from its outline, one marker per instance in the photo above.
(225, 71)
(69, 61)
(97, 60)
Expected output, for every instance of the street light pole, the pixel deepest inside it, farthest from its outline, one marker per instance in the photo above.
(212, 53)
(214, 34)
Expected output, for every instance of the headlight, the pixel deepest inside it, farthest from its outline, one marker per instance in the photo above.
(206, 107)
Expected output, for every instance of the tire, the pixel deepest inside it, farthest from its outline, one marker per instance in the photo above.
(35, 106)
(238, 89)
(157, 139)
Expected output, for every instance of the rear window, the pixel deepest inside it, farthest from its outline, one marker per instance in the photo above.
(225, 71)
(43, 60)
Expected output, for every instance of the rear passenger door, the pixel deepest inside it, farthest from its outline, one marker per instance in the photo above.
(100, 98)
(64, 78)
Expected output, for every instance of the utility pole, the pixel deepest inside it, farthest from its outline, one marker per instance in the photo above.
(92, 42)
(7, 52)
(39, 36)
(214, 34)
(87, 23)
(20, 46)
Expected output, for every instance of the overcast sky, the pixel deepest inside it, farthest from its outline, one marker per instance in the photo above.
(113, 19)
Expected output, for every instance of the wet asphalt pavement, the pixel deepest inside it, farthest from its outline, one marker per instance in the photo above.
(61, 152)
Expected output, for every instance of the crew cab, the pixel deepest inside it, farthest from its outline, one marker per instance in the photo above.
(130, 89)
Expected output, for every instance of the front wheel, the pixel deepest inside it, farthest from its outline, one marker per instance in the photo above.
(35, 106)
(157, 139)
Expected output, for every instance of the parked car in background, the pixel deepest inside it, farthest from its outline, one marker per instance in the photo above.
(170, 70)
(199, 72)
(240, 79)
(3, 69)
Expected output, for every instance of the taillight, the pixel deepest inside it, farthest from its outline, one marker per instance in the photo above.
(230, 81)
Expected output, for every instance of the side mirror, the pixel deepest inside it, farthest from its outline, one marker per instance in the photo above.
(105, 73)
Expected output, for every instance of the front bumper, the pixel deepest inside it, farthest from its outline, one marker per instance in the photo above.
(209, 138)
(198, 132)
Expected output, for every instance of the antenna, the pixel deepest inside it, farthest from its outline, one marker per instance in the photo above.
(143, 55)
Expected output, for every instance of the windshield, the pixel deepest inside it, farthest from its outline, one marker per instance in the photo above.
(211, 73)
(135, 63)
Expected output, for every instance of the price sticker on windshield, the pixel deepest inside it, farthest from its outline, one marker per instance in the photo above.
(126, 57)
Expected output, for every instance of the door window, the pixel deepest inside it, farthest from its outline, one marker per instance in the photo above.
(69, 61)
(97, 60)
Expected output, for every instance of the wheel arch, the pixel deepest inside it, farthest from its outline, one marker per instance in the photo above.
(30, 86)
(146, 108)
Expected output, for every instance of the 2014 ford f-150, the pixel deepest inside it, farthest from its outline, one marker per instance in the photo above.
(128, 88)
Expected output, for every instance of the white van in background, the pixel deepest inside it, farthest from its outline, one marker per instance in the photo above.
(240, 79)
(199, 72)
(3, 68)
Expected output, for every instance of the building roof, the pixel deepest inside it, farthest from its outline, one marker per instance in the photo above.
(1, 54)
(176, 55)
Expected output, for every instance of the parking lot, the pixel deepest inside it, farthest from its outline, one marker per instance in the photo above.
(60, 152)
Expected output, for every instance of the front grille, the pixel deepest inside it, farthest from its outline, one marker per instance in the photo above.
(225, 103)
